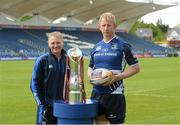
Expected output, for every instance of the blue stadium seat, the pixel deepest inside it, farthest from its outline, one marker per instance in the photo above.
(33, 42)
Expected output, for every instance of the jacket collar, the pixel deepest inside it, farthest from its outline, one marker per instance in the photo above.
(63, 52)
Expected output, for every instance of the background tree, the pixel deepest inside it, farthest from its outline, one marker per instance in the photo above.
(159, 30)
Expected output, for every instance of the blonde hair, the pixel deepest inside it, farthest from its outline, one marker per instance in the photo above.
(108, 16)
(55, 34)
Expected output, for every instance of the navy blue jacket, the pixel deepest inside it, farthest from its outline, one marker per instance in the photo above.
(47, 83)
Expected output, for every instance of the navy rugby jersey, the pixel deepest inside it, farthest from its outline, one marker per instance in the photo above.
(113, 56)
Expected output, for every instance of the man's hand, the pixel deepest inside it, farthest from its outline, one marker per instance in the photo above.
(132, 70)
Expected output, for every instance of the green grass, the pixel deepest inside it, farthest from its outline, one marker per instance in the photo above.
(153, 95)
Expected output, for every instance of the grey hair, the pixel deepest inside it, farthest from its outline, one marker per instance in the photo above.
(55, 34)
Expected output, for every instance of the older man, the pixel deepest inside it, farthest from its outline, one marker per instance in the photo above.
(47, 82)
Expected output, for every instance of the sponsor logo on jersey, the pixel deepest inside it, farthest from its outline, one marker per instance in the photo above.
(105, 54)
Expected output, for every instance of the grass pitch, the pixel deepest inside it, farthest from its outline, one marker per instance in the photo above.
(153, 95)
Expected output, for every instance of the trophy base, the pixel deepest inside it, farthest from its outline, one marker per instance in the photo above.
(81, 113)
(75, 97)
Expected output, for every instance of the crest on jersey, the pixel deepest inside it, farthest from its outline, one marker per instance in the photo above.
(104, 49)
(114, 46)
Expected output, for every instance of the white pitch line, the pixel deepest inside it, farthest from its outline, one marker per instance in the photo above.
(149, 90)
(161, 96)
(141, 92)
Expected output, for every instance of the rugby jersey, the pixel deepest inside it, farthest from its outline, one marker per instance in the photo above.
(113, 56)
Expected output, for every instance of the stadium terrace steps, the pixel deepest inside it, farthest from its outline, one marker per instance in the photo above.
(33, 42)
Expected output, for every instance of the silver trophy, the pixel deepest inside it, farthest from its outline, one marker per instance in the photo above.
(76, 80)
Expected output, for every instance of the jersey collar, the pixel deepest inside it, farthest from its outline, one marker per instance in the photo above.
(115, 36)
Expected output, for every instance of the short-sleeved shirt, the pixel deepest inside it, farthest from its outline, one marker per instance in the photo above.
(113, 56)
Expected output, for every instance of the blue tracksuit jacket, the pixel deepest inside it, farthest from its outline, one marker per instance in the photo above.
(47, 83)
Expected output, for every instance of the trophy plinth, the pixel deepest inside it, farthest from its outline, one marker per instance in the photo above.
(74, 109)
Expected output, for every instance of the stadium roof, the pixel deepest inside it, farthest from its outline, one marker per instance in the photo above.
(80, 11)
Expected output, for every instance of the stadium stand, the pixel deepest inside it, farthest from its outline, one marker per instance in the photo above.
(141, 45)
(33, 42)
(23, 30)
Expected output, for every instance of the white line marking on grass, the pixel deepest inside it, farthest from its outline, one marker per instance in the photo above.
(140, 91)
(161, 96)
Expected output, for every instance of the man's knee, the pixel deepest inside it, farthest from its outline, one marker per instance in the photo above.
(101, 120)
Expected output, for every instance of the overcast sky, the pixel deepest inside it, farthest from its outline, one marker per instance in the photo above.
(170, 16)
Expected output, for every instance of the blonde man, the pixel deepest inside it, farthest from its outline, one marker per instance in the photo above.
(47, 83)
(112, 53)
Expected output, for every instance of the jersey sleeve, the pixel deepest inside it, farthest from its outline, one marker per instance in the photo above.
(36, 84)
(129, 57)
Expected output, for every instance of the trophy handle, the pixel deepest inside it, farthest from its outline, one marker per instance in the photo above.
(66, 80)
(82, 80)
